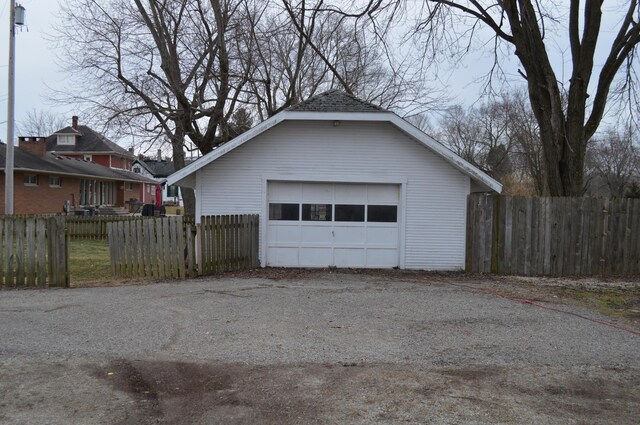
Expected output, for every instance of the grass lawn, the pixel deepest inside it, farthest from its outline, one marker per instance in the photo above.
(174, 210)
(89, 261)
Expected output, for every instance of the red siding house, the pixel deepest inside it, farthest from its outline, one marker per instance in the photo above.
(80, 141)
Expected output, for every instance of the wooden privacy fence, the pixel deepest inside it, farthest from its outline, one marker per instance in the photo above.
(33, 252)
(227, 243)
(152, 247)
(553, 236)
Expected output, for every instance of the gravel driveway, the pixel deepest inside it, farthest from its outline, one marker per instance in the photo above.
(334, 348)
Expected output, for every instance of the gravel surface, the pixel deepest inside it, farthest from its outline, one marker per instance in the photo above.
(333, 347)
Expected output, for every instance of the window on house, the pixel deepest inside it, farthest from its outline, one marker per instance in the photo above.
(316, 212)
(136, 170)
(88, 158)
(382, 213)
(30, 180)
(349, 212)
(172, 191)
(54, 181)
(66, 140)
(129, 186)
(284, 212)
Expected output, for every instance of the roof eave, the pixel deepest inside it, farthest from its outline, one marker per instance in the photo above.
(378, 116)
(81, 175)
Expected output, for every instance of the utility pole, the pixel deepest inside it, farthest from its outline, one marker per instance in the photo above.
(8, 169)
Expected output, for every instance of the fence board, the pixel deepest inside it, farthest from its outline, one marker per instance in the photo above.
(9, 252)
(30, 260)
(20, 252)
(41, 240)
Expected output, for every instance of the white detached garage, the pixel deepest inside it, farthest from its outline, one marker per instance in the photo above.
(340, 182)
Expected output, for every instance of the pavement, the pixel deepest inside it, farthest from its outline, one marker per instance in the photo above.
(331, 348)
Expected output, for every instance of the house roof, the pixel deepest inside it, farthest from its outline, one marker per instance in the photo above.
(67, 130)
(184, 176)
(87, 140)
(335, 101)
(160, 168)
(59, 165)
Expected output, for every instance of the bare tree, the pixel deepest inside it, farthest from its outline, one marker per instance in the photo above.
(356, 60)
(525, 136)
(41, 123)
(565, 127)
(480, 135)
(612, 160)
(162, 68)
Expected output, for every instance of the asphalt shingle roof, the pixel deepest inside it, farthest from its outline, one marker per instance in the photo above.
(161, 168)
(335, 101)
(52, 164)
(88, 141)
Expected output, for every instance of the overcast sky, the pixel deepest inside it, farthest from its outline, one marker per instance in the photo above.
(35, 60)
(36, 68)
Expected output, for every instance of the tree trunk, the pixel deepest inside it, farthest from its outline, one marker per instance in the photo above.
(188, 195)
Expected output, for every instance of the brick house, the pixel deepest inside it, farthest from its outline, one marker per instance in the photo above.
(43, 182)
(82, 142)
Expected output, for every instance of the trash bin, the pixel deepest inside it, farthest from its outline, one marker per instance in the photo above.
(148, 210)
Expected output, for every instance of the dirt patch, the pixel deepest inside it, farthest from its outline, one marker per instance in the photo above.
(620, 301)
(179, 392)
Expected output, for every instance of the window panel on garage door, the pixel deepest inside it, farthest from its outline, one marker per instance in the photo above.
(317, 212)
(382, 213)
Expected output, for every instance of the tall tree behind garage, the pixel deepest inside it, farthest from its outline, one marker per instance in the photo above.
(568, 113)
(163, 68)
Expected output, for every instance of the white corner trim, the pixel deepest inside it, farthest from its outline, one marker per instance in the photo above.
(417, 134)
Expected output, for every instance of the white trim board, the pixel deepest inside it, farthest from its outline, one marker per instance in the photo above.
(430, 143)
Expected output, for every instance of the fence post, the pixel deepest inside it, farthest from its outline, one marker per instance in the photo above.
(57, 252)
(495, 232)
(605, 230)
(198, 244)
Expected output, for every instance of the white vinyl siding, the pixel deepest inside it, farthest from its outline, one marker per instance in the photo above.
(434, 210)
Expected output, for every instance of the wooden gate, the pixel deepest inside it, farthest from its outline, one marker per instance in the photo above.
(152, 247)
(227, 243)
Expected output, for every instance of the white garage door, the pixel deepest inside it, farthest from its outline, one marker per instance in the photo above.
(327, 224)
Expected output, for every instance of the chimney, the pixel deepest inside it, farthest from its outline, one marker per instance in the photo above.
(34, 145)
(74, 122)
(159, 154)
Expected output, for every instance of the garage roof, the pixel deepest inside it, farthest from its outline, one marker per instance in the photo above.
(335, 101)
(336, 105)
